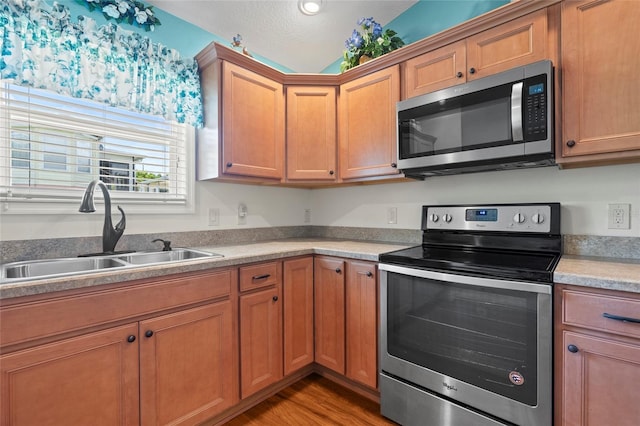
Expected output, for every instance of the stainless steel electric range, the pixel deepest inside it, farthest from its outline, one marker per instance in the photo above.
(466, 317)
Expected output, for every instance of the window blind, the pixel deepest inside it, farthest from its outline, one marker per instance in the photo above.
(52, 146)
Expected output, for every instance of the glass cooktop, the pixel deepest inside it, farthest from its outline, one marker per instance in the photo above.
(508, 264)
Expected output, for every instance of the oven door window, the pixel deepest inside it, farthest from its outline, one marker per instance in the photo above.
(483, 336)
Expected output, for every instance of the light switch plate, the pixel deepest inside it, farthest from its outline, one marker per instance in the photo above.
(214, 217)
(392, 215)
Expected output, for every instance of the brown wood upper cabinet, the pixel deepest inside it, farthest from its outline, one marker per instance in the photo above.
(600, 82)
(311, 133)
(597, 358)
(518, 42)
(367, 123)
(253, 134)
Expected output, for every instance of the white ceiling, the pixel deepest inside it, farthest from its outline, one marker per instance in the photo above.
(278, 31)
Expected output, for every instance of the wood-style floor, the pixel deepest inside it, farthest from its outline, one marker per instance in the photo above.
(313, 400)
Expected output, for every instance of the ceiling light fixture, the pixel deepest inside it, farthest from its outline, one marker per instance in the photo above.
(310, 7)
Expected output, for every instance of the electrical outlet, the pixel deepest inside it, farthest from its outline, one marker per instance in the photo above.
(307, 215)
(214, 217)
(392, 215)
(619, 216)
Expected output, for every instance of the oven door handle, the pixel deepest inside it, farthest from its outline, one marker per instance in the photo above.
(468, 280)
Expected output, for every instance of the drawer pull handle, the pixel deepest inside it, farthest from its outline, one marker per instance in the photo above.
(149, 333)
(131, 338)
(261, 277)
(619, 318)
(572, 348)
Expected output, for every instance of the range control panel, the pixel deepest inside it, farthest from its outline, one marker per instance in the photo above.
(502, 218)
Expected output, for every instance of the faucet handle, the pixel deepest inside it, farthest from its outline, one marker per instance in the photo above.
(167, 244)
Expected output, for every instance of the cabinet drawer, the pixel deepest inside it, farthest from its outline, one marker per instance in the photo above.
(43, 319)
(587, 310)
(257, 276)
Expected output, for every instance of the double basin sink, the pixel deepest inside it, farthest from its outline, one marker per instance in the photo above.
(40, 269)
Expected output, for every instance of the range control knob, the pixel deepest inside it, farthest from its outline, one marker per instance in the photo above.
(537, 218)
(519, 218)
(447, 217)
(433, 217)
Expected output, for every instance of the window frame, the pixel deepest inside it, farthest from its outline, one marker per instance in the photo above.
(67, 200)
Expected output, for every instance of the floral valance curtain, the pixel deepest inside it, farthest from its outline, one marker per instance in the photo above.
(40, 47)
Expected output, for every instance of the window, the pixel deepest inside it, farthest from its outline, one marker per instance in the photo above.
(52, 146)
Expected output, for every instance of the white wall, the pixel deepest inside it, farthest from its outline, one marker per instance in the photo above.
(267, 207)
(584, 194)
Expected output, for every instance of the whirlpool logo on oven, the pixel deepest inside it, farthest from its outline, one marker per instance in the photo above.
(516, 378)
(449, 387)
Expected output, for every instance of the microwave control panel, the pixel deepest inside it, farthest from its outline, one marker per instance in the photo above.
(535, 108)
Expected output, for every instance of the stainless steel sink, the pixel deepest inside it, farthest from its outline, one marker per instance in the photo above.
(146, 258)
(39, 269)
(54, 267)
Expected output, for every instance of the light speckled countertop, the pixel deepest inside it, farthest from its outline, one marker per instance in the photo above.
(599, 272)
(233, 255)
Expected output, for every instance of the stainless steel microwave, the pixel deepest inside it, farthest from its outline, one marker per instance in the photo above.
(499, 122)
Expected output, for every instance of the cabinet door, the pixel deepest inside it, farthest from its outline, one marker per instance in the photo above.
(186, 365)
(600, 83)
(253, 124)
(311, 133)
(329, 279)
(298, 314)
(601, 381)
(362, 324)
(435, 70)
(260, 340)
(515, 43)
(87, 380)
(367, 120)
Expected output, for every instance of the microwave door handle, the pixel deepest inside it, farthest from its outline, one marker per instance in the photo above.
(516, 112)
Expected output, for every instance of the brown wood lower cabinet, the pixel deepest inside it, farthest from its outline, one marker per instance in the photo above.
(329, 312)
(362, 323)
(260, 327)
(185, 365)
(346, 318)
(175, 368)
(597, 358)
(298, 313)
(87, 380)
(189, 348)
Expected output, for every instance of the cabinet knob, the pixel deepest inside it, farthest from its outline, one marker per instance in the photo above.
(459, 74)
(275, 298)
(229, 164)
(369, 274)
(131, 339)
(472, 70)
(331, 172)
(338, 270)
(572, 348)
(148, 333)
(394, 165)
(571, 143)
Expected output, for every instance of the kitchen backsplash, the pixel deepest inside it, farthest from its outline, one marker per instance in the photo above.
(11, 251)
